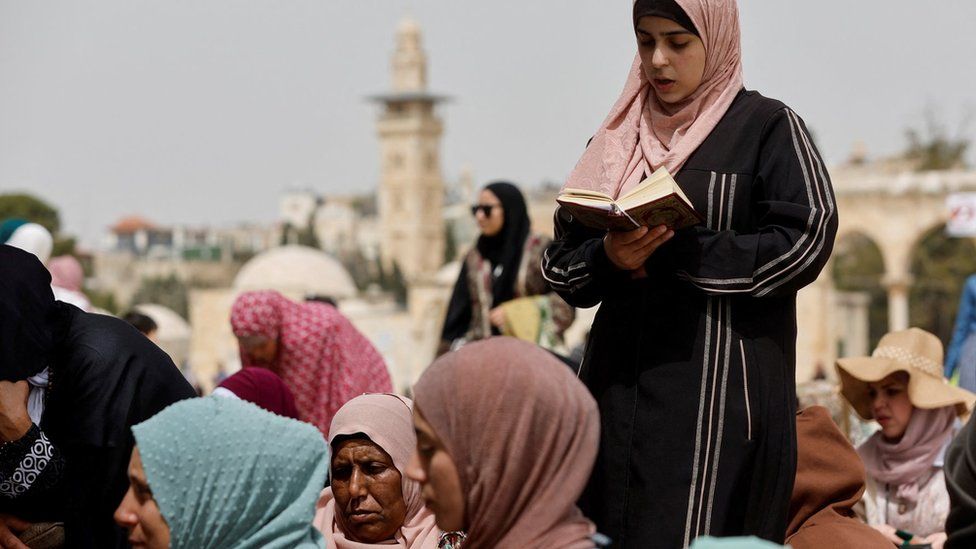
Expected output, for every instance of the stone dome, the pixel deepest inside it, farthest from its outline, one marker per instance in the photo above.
(173, 332)
(297, 272)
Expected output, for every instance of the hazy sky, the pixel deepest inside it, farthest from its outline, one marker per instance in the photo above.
(203, 111)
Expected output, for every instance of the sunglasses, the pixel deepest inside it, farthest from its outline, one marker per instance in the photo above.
(485, 209)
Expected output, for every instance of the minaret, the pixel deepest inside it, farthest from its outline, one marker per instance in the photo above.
(411, 191)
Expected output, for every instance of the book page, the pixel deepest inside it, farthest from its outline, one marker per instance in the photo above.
(599, 203)
(585, 192)
(658, 185)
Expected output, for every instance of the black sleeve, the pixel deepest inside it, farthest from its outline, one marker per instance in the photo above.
(960, 477)
(575, 263)
(29, 466)
(796, 223)
(458, 319)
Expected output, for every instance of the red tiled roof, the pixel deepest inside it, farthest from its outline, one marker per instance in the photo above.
(132, 224)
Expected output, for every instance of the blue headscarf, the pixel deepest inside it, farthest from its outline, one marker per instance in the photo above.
(226, 473)
(8, 227)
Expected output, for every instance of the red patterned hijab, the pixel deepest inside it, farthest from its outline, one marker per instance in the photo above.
(322, 357)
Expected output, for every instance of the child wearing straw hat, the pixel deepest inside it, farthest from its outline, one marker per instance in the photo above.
(901, 386)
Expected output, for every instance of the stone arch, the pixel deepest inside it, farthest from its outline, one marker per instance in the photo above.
(939, 265)
(858, 272)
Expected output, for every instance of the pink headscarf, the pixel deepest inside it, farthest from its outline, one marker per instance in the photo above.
(66, 272)
(640, 135)
(904, 463)
(388, 421)
(322, 357)
(523, 433)
(67, 278)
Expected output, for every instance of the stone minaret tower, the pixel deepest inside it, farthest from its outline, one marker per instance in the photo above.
(411, 191)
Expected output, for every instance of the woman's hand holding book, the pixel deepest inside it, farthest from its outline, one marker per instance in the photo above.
(629, 250)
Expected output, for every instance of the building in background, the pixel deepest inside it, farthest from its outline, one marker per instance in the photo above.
(411, 190)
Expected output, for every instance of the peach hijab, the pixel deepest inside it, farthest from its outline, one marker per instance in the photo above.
(388, 421)
(523, 433)
(640, 134)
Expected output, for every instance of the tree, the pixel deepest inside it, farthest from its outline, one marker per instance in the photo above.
(450, 243)
(104, 300)
(932, 148)
(168, 291)
(35, 210)
(940, 265)
(32, 209)
(359, 268)
(398, 285)
(291, 234)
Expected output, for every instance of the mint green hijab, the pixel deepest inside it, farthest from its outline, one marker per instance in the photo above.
(226, 473)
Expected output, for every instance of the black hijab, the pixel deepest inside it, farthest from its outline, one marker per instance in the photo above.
(105, 377)
(30, 319)
(960, 476)
(504, 250)
(668, 9)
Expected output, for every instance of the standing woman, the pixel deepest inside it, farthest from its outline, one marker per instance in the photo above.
(961, 358)
(500, 289)
(692, 354)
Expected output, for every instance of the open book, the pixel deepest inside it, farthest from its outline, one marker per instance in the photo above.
(658, 200)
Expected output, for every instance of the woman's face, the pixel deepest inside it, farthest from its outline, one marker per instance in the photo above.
(434, 469)
(138, 512)
(491, 223)
(673, 58)
(259, 349)
(890, 405)
(368, 491)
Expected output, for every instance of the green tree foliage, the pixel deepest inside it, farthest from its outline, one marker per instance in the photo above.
(169, 291)
(450, 243)
(359, 267)
(932, 148)
(35, 210)
(940, 265)
(859, 267)
(398, 285)
(301, 236)
(32, 209)
(104, 300)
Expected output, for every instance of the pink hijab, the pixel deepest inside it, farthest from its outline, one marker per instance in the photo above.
(904, 463)
(523, 433)
(66, 272)
(640, 135)
(322, 357)
(388, 421)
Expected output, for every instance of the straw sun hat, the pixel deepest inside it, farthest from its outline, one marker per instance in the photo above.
(913, 351)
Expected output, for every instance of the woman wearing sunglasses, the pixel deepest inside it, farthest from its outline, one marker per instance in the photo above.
(500, 289)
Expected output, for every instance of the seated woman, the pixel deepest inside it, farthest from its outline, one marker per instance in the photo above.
(506, 440)
(71, 385)
(371, 502)
(67, 281)
(501, 290)
(829, 482)
(222, 473)
(901, 386)
(322, 358)
(262, 387)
